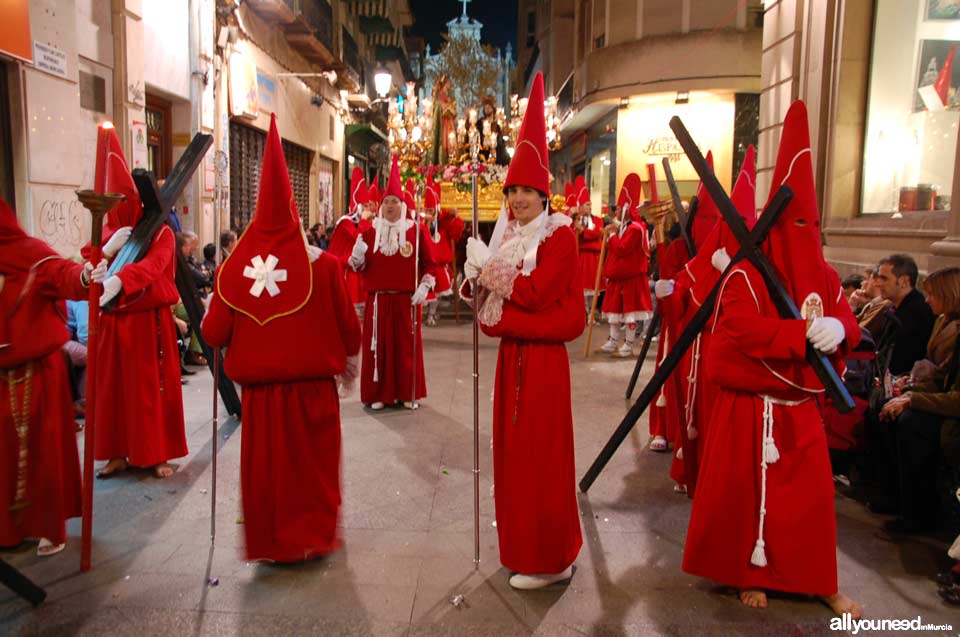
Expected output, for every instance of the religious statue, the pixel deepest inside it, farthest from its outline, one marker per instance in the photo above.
(444, 117)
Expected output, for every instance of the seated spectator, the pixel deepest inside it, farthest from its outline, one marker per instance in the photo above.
(897, 280)
(923, 424)
(186, 244)
(228, 241)
(76, 349)
(851, 284)
(209, 258)
(869, 306)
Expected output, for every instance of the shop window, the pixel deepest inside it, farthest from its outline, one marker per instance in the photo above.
(913, 108)
(159, 136)
(246, 155)
(531, 27)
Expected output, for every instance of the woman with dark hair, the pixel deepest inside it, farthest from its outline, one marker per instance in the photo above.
(531, 299)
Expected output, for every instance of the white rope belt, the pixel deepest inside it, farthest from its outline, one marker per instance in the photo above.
(769, 454)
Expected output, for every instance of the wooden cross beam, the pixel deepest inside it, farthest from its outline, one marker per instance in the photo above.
(772, 212)
(678, 205)
(751, 251)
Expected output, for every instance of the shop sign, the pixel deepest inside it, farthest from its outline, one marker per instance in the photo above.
(49, 59)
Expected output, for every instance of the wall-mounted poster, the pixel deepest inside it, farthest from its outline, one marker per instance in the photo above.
(325, 191)
(138, 133)
(243, 86)
(943, 9)
(933, 54)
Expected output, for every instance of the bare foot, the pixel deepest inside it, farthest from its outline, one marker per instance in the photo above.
(111, 468)
(840, 604)
(163, 470)
(753, 598)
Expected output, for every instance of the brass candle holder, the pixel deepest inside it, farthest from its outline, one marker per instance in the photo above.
(99, 204)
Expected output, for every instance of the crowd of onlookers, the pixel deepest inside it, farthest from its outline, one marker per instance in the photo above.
(900, 448)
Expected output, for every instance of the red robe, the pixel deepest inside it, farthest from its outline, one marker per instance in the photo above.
(627, 298)
(538, 523)
(35, 327)
(666, 414)
(589, 259)
(448, 234)
(139, 410)
(291, 415)
(755, 353)
(389, 281)
(344, 235)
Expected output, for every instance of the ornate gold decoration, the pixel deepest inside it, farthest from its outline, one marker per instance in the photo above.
(21, 425)
(489, 201)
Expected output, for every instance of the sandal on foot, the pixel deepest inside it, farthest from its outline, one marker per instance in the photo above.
(161, 470)
(111, 469)
(46, 548)
(659, 445)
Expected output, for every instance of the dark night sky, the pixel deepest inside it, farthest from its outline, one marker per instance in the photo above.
(499, 18)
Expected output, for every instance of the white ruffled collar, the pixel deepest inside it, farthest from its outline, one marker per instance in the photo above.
(391, 235)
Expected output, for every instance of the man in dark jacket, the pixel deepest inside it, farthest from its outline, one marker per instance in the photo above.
(897, 280)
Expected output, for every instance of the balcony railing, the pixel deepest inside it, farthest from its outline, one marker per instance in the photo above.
(318, 16)
(351, 55)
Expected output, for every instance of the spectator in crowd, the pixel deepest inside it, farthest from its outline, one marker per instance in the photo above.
(228, 240)
(868, 304)
(76, 350)
(186, 245)
(897, 280)
(851, 284)
(924, 421)
(209, 258)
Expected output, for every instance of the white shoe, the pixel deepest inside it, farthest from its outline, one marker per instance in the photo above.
(410, 405)
(46, 547)
(532, 582)
(610, 346)
(432, 321)
(625, 351)
(376, 406)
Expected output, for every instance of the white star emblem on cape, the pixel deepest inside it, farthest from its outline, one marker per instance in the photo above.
(264, 275)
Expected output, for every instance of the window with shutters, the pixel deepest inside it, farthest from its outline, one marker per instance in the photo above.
(246, 155)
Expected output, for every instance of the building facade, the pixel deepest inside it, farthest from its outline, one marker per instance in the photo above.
(885, 159)
(162, 71)
(622, 68)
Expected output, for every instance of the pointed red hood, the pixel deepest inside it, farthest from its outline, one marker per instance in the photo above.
(707, 213)
(268, 274)
(570, 196)
(393, 184)
(410, 198)
(530, 164)
(580, 190)
(18, 251)
(630, 194)
(359, 194)
(113, 175)
(374, 195)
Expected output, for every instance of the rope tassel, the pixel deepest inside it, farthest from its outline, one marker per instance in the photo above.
(770, 452)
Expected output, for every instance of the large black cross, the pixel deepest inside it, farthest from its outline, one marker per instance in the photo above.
(750, 242)
(157, 202)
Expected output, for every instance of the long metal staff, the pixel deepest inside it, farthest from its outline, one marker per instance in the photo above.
(220, 168)
(474, 226)
(416, 283)
(98, 203)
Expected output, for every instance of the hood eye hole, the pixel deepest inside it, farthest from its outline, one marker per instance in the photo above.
(801, 222)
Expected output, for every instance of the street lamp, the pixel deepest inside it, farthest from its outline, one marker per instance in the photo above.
(382, 82)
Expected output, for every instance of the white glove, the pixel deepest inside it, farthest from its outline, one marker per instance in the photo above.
(421, 294)
(313, 252)
(663, 288)
(477, 253)
(470, 271)
(347, 381)
(111, 288)
(720, 259)
(826, 334)
(94, 274)
(359, 255)
(116, 241)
